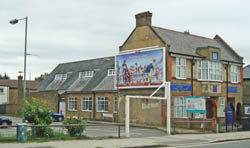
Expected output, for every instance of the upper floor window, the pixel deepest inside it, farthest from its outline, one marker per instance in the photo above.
(60, 76)
(86, 74)
(180, 67)
(208, 70)
(111, 72)
(234, 74)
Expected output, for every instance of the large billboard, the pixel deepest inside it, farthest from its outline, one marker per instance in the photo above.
(140, 69)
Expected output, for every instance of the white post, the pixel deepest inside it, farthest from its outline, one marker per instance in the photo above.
(127, 115)
(168, 98)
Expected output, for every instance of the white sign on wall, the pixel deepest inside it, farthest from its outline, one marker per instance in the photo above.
(247, 110)
(195, 104)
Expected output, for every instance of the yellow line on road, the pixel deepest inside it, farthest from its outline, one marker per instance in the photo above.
(194, 145)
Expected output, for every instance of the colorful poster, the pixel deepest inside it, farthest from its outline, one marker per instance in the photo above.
(140, 69)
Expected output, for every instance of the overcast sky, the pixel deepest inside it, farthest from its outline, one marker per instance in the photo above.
(62, 31)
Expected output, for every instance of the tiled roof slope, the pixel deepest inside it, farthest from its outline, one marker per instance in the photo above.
(184, 43)
(246, 72)
(74, 84)
(14, 84)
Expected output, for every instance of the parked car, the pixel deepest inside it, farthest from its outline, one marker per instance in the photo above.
(4, 121)
(57, 116)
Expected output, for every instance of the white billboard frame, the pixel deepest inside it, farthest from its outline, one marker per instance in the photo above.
(139, 50)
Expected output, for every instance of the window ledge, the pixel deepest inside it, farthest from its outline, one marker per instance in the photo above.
(86, 110)
(72, 110)
(102, 111)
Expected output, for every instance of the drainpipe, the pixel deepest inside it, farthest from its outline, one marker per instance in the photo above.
(226, 93)
(192, 76)
(94, 105)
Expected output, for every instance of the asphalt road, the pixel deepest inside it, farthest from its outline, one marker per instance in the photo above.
(229, 144)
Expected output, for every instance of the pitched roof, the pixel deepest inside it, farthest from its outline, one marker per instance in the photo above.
(186, 43)
(14, 83)
(99, 82)
(246, 72)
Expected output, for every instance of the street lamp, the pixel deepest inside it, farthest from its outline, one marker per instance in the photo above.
(14, 21)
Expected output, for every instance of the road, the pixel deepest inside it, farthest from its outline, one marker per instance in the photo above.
(229, 144)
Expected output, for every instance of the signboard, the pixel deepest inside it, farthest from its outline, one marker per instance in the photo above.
(232, 89)
(140, 69)
(180, 87)
(195, 104)
(247, 110)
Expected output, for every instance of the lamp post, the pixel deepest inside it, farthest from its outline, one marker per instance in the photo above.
(14, 21)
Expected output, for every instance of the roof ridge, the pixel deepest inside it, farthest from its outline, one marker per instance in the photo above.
(86, 60)
(183, 33)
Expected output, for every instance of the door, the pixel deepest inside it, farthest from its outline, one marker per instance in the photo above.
(62, 108)
(211, 109)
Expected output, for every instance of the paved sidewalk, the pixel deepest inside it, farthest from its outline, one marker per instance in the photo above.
(168, 140)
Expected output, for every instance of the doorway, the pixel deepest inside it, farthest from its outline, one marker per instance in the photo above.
(238, 113)
(211, 109)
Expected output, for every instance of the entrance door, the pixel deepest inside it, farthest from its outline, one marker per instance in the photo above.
(62, 108)
(211, 109)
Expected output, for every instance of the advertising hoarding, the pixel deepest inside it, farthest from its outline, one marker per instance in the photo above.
(196, 104)
(140, 69)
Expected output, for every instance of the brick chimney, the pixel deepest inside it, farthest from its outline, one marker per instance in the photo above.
(143, 19)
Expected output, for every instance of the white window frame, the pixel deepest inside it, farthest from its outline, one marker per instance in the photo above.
(102, 104)
(234, 74)
(115, 104)
(72, 104)
(86, 101)
(180, 68)
(1, 91)
(180, 107)
(209, 71)
(86, 74)
(111, 72)
(61, 76)
(222, 106)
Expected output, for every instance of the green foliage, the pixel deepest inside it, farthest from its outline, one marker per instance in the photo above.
(37, 113)
(74, 130)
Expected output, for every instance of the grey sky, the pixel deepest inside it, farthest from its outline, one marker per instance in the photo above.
(70, 30)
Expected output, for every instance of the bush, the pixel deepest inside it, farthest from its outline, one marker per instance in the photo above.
(44, 132)
(74, 130)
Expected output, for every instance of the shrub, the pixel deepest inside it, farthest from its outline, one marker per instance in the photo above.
(74, 130)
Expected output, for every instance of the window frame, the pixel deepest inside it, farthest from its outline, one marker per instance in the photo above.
(102, 101)
(180, 107)
(222, 106)
(2, 91)
(209, 71)
(111, 72)
(60, 76)
(88, 100)
(180, 67)
(71, 100)
(234, 74)
(85, 74)
(115, 104)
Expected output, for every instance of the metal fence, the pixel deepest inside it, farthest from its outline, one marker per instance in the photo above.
(57, 132)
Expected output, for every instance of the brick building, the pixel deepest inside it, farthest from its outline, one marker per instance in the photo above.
(84, 88)
(195, 66)
(246, 84)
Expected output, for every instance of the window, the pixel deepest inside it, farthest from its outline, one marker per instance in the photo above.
(180, 67)
(111, 72)
(86, 104)
(208, 70)
(102, 104)
(86, 74)
(115, 105)
(60, 76)
(234, 74)
(1, 91)
(72, 104)
(180, 107)
(222, 107)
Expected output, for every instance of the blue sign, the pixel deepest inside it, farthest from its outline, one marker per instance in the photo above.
(214, 88)
(215, 56)
(232, 89)
(180, 87)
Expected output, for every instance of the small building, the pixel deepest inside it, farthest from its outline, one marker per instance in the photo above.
(11, 95)
(85, 88)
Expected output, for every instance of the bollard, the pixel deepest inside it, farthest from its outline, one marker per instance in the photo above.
(217, 128)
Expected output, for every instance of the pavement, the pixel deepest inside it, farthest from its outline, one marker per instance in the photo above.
(160, 141)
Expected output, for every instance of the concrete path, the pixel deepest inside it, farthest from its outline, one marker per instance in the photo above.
(169, 140)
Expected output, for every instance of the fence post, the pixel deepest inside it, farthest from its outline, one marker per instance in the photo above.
(119, 131)
(174, 126)
(32, 132)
